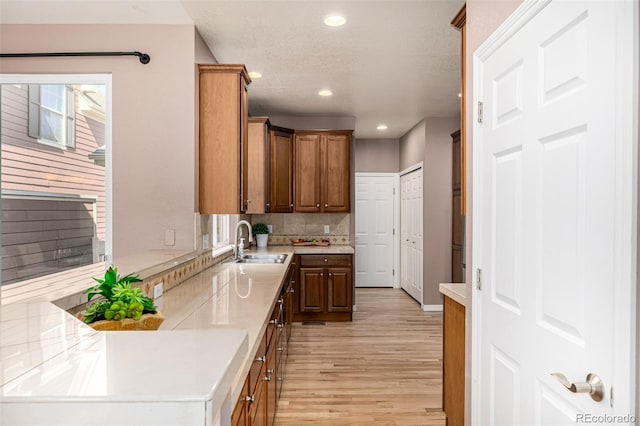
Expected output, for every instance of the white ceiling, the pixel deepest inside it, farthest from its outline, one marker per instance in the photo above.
(394, 62)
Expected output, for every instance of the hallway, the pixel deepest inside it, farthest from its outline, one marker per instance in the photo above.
(384, 368)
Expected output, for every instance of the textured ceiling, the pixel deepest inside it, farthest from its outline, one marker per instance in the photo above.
(394, 62)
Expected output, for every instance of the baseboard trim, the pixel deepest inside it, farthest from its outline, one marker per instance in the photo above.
(432, 308)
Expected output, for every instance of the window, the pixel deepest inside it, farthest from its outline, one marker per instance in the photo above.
(52, 114)
(56, 203)
(220, 230)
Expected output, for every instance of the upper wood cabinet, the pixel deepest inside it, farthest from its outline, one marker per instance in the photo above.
(280, 170)
(223, 138)
(270, 168)
(322, 171)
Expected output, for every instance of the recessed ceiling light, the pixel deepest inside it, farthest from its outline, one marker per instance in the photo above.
(382, 127)
(335, 21)
(255, 74)
(325, 92)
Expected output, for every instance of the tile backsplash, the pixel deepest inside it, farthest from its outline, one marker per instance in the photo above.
(288, 226)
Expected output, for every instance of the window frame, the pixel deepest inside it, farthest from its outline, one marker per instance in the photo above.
(219, 239)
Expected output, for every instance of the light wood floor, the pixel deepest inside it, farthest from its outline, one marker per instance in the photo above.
(384, 368)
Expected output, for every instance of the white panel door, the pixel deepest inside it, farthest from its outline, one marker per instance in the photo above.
(374, 230)
(411, 209)
(553, 216)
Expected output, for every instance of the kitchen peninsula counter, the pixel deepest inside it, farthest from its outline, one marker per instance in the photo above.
(58, 371)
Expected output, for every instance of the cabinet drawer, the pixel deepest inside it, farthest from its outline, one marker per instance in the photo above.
(258, 366)
(325, 259)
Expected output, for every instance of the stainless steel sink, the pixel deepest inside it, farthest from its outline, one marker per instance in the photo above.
(262, 258)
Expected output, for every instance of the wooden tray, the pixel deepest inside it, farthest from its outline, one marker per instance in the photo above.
(311, 243)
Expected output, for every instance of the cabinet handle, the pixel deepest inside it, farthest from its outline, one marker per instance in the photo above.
(261, 359)
(291, 205)
(280, 379)
(267, 378)
(280, 349)
(270, 371)
(330, 274)
(249, 399)
(292, 291)
(318, 205)
(272, 321)
(326, 205)
(280, 325)
(322, 274)
(326, 260)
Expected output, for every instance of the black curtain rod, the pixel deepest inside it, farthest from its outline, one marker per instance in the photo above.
(144, 58)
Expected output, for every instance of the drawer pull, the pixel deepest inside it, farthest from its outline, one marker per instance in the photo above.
(261, 359)
(280, 325)
(249, 399)
(272, 321)
(270, 371)
(326, 205)
(280, 379)
(267, 378)
(280, 349)
(326, 260)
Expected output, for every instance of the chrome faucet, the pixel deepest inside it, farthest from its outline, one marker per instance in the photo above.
(238, 249)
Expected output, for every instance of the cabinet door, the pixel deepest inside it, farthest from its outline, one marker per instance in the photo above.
(339, 290)
(258, 162)
(312, 290)
(281, 172)
(223, 136)
(270, 380)
(336, 173)
(258, 410)
(239, 416)
(307, 173)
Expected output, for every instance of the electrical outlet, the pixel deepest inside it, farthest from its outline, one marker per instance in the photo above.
(326, 229)
(205, 241)
(270, 228)
(157, 290)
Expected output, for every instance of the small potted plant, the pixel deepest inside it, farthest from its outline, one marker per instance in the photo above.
(261, 232)
(121, 307)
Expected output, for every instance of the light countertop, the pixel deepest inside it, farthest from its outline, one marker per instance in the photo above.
(457, 292)
(200, 355)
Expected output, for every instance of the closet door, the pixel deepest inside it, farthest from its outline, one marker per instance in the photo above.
(411, 233)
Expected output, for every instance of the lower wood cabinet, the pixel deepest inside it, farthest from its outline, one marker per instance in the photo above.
(258, 401)
(453, 362)
(324, 288)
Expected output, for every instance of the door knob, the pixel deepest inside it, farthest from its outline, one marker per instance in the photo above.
(593, 386)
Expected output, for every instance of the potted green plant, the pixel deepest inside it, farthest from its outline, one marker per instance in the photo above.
(120, 307)
(261, 232)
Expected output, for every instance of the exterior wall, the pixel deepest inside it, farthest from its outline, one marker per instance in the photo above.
(483, 18)
(437, 206)
(153, 114)
(377, 155)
